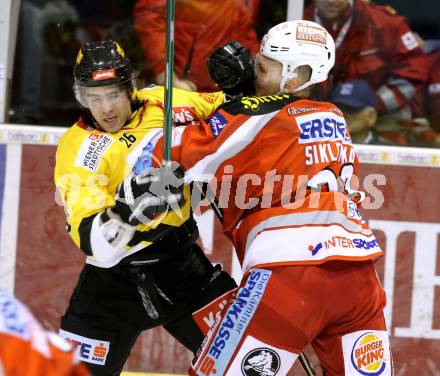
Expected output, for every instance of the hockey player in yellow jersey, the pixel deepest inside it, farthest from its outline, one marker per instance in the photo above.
(141, 270)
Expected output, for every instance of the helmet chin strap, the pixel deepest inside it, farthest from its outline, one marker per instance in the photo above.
(282, 84)
(302, 87)
(285, 76)
(289, 76)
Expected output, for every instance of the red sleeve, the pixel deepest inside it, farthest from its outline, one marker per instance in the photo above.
(189, 144)
(194, 143)
(408, 66)
(434, 86)
(149, 21)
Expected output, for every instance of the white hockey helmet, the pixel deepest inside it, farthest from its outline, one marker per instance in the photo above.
(296, 43)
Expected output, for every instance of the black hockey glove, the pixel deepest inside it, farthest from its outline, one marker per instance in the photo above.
(141, 198)
(231, 67)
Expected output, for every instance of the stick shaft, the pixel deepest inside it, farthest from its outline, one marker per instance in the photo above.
(169, 70)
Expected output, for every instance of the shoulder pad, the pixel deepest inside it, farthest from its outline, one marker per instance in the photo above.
(389, 9)
(257, 105)
(381, 15)
(149, 92)
(150, 87)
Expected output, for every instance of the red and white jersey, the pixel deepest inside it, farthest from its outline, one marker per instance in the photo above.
(26, 349)
(285, 169)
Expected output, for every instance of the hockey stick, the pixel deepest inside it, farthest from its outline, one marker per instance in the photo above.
(306, 365)
(169, 69)
(206, 192)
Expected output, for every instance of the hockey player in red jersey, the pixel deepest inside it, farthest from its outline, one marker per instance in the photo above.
(26, 349)
(286, 169)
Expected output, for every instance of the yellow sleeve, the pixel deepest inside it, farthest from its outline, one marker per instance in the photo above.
(204, 103)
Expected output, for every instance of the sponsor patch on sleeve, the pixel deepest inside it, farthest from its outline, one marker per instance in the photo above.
(144, 161)
(91, 151)
(434, 88)
(89, 350)
(217, 122)
(185, 115)
(409, 40)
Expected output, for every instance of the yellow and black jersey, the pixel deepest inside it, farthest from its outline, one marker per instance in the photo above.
(90, 164)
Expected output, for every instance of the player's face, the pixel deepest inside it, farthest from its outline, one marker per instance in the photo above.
(267, 76)
(331, 9)
(109, 105)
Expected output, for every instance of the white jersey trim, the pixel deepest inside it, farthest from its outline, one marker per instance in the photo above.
(104, 254)
(311, 244)
(133, 156)
(240, 139)
(303, 219)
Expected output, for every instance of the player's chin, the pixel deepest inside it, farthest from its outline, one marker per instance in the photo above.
(262, 92)
(264, 89)
(111, 126)
(259, 91)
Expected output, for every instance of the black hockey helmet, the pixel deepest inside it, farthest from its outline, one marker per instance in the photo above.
(102, 63)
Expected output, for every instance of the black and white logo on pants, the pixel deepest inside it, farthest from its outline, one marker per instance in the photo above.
(261, 362)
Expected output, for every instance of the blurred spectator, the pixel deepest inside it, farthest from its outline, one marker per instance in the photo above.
(358, 103)
(375, 44)
(46, 46)
(60, 21)
(60, 25)
(412, 132)
(200, 27)
(49, 35)
(251, 7)
(27, 84)
(270, 13)
(432, 48)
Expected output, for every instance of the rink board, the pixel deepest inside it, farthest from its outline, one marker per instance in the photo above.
(40, 263)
